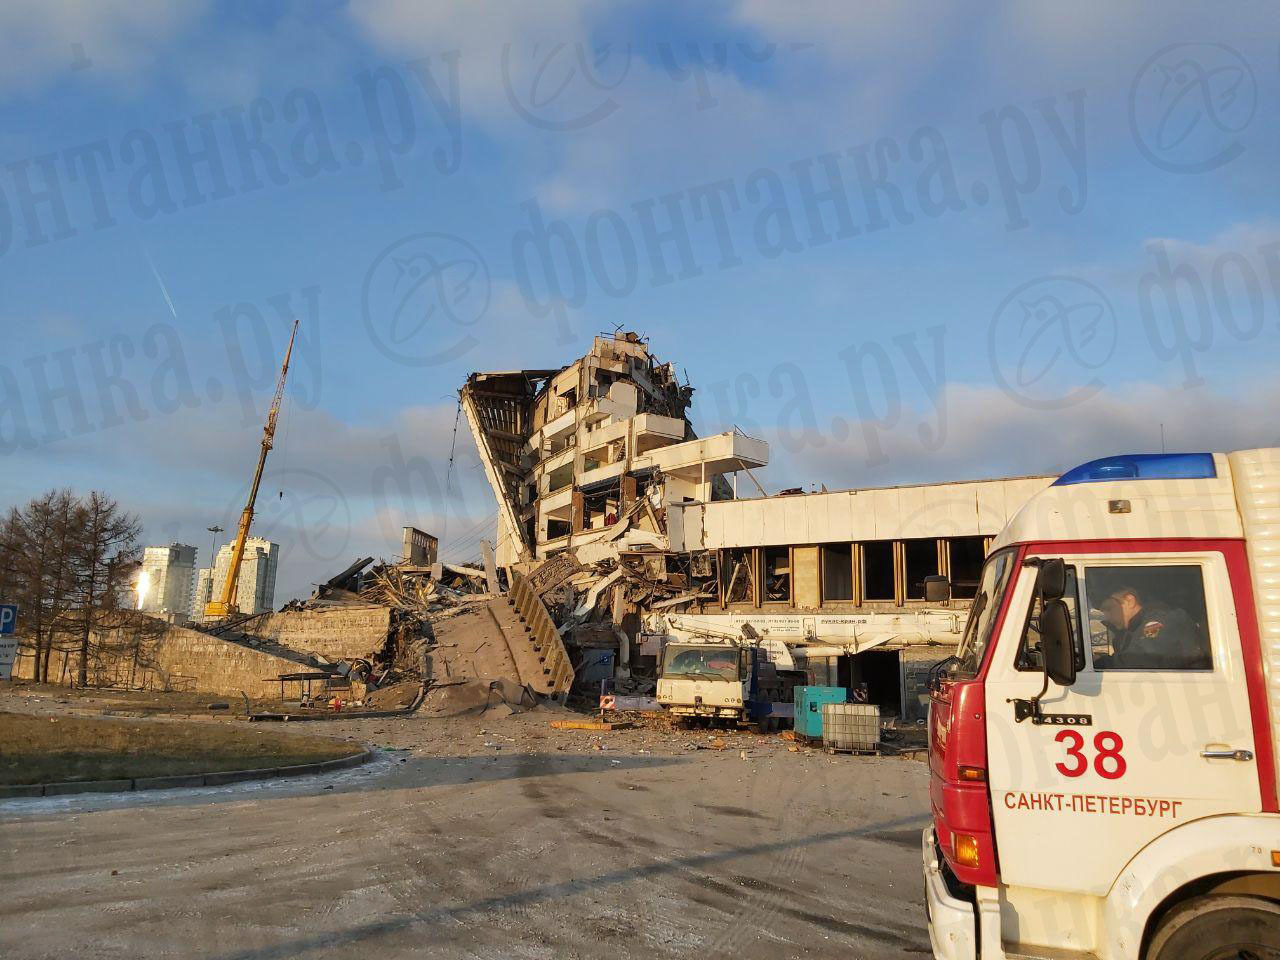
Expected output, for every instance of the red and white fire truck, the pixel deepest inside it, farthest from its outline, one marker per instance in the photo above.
(1102, 749)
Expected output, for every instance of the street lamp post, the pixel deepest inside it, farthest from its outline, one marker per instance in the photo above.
(213, 554)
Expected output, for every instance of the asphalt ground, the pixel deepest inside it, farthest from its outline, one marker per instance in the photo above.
(486, 837)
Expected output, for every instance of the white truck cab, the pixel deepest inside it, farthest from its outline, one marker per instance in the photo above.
(705, 678)
(1102, 750)
(716, 678)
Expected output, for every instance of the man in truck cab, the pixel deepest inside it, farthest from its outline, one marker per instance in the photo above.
(1150, 635)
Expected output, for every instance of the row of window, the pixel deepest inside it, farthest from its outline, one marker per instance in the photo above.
(889, 571)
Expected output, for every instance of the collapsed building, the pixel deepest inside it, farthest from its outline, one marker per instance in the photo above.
(619, 532)
(630, 530)
(593, 452)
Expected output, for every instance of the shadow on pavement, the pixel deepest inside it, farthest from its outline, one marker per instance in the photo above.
(901, 938)
(385, 773)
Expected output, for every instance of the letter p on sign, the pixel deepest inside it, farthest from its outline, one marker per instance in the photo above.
(8, 648)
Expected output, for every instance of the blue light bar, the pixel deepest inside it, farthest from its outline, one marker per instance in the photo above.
(1142, 466)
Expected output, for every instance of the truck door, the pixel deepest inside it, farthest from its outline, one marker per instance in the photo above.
(1154, 733)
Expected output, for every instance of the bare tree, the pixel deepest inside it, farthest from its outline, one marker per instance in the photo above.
(37, 544)
(68, 563)
(105, 559)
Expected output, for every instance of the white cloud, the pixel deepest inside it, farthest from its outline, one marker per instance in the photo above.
(478, 30)
(43, 39)
(988, 434)
(1247, 240)
(332, 490)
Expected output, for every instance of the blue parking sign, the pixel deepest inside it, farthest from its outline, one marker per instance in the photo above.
(8, 618)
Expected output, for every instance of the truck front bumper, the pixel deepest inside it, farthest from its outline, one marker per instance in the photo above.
(953, 930)
(684, 710)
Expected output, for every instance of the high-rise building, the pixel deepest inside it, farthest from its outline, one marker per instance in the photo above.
(165, 581)
(203, 593)
(256, 590)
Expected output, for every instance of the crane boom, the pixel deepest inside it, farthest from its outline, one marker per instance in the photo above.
(225, 605)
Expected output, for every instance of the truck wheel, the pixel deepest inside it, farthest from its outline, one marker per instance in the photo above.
(1219, 928)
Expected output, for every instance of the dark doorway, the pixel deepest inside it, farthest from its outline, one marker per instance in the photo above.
(880, 671)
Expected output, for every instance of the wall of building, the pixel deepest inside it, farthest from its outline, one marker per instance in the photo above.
(170, 572)
(202, 594)
(890, 513)
(256, 587)
(143, 652)
(174, 658)
(341, 632)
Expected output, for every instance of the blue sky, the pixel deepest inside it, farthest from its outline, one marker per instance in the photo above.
(901, 242)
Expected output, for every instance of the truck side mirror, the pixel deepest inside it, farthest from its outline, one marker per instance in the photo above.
(937, 589)
(1055, 642)
(1052, 582)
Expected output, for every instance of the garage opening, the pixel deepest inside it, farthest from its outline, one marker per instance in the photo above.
(880, 672)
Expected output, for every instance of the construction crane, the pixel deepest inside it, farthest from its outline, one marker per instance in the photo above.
(225, 606)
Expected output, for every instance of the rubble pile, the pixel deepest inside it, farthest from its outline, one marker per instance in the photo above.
(598, 606)
(447, 629)
(421, 595)
(416, 598)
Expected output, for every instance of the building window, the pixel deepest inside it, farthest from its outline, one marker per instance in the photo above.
(837, 571)
(967, 554)
(557, 529)
(737, 582)
(921, 561)
(877, 570)
(777, 574)
(559, 478)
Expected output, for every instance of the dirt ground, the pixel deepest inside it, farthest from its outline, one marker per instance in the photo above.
(24, 694)
(52, 749)
(488, 836)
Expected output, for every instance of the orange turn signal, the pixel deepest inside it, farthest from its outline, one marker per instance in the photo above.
(1275, 858)
(972, 774)
(965, 848)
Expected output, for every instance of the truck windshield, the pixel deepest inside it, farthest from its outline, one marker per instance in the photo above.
(996, 574)
(709, 663)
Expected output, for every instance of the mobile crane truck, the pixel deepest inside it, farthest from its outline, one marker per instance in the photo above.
(725, 679)
(1102, 750)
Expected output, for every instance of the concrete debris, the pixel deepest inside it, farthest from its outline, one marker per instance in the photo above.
(397, 696)
(448, 628)
(458, 698)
